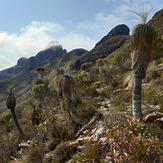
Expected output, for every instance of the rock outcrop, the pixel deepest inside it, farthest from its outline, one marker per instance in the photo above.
(116, 38)
(119, 30)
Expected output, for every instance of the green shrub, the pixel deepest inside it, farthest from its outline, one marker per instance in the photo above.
(62, 128)
(40, 91)
(63, 152)
(9, 146)
(90, 154)
(35, 154)
(83, 77)
(87, 109)
(133, 142)
(121, 99)
(152, 96)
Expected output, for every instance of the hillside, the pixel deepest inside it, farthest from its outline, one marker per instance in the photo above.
(90, 118)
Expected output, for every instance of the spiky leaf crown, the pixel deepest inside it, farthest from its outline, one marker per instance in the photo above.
(143, 34)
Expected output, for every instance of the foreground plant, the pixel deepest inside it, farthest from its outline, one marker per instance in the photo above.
(11, 103)
(142, 40)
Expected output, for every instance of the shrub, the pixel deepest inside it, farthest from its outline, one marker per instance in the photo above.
(62, 128)
(151, 95)
(40, 91)
(63, 152)
(83, 77)
(132, 142)
(35, 154)
(10, 146)
(87, 109)
(89, 154)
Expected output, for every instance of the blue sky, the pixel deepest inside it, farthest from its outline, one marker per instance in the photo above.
(27, 26)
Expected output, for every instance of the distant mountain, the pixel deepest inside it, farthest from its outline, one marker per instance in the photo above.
(116, 38)
(23, 71)
(25, 65)
(119, 30)
(44, 57)
(72, 55)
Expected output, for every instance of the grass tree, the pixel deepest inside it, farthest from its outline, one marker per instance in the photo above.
(40, 71)
(11, 103)
(65, 89)
(143, 35)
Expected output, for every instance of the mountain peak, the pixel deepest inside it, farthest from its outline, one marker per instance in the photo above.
(22, 61)
(119, 30)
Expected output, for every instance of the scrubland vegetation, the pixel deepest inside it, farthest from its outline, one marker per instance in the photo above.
(86, 116)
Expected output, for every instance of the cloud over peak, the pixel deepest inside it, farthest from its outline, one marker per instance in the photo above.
(36, 37)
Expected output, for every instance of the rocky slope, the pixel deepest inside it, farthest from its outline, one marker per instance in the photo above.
(100, 129)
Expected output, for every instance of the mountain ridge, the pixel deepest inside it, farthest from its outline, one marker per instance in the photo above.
(109, 43)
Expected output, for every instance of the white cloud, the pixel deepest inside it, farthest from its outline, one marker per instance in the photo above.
(74, 40)
(115, 1)
(4, 62)
(32, 39)
(101, 24)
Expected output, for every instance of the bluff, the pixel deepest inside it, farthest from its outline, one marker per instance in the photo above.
(116, 38)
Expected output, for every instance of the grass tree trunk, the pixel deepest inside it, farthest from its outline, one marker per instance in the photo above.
(136, 101)
(61, 101)
(142, 38)
(11, 103)
(65, 90)
(14, 117)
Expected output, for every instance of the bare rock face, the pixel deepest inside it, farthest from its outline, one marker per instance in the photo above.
(119, 30)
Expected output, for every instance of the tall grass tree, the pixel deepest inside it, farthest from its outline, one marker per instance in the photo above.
(11, 103)
(65, 89)
(142, 38)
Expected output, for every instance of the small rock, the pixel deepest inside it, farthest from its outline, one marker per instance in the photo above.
(153, 116)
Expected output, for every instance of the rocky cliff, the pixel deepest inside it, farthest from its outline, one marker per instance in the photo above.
(109, 43)
(119, 30)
